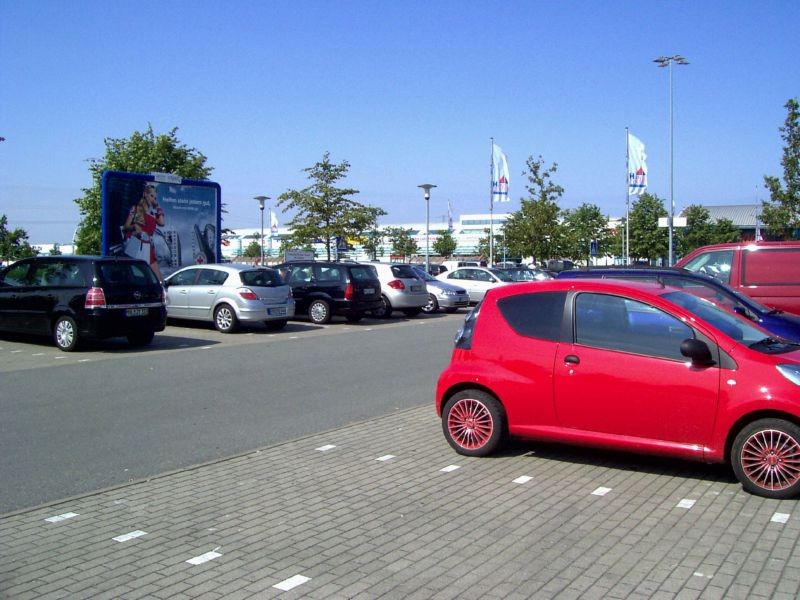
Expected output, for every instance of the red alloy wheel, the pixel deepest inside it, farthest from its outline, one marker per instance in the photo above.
(470, 423)
(771, 459)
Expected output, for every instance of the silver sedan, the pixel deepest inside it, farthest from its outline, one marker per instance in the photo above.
(229, 294)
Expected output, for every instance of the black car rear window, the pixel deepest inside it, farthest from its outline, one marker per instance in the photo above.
(536, 315)
(126, 273)
(363, 273)
(261, 278)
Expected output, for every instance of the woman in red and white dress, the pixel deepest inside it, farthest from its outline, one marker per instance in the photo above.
(142, 221)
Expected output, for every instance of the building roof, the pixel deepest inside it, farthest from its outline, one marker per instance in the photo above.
(744, 216)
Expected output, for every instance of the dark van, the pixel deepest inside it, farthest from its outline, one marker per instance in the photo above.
(322, 289)
(77, 298)
(766, 271)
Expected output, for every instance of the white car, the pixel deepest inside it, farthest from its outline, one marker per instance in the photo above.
(401, 289)
(476, 280)
(229, 294)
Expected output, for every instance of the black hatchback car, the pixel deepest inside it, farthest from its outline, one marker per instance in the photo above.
(77, 298)
(323, 289)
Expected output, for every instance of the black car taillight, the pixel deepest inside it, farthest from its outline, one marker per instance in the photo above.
(95, 298)
(464, 335)
(348, 292)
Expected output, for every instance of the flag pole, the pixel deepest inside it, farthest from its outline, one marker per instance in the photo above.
(491, 203)
(627, 244)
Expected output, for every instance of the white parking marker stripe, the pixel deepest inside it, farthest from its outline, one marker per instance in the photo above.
(59, 357)
(63, 517)
(523, 479)
(16, 351)
(450, 469)
(601, 491)
(204, 558)
(780, 518)
(85, 360)
(129, 536)
(685, 503)
(386, 457)
(292, 582)
(326, 448)
(38, 354)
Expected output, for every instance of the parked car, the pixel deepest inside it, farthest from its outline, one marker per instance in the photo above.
(80, 298)
(779, 323)
(766, 271)
(401, 289)
(433, 270)
(476, 280)
(442, 295)
(323, 289)
(229, 294)
(527, 274)
(630, 366)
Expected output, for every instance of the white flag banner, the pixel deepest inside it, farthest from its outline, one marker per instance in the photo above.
(637, 167)
(499, 175)
(273, 222)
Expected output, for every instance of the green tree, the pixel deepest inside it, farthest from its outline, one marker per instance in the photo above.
(143, 152)
(55, 250)
(371, 242)
(401, 241)
(648, 240)
(445, 245)
(534, 229)
(583, 225)
(725, 231)
(14, 243)
(324, 211)
(253, 250)
(781, 214)
(699, 230)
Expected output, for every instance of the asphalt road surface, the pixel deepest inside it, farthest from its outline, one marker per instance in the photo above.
(72, 423)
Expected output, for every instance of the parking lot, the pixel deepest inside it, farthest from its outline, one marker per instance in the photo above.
(383, 508)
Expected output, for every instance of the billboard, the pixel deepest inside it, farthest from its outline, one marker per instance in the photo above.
(166, 220)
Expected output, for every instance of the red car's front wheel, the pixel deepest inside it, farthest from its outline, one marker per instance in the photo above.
(766, 458)
(473, 423)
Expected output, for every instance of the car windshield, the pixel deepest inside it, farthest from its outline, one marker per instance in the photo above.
(728, 323)
(521, 274)
(423, 275)
(261, 278)
(404, 272)
(501, 275)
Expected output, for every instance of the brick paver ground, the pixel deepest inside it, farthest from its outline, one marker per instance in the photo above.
(379, 510)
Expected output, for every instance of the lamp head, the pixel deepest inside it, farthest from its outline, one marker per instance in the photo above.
(261, 200)
(427, 187)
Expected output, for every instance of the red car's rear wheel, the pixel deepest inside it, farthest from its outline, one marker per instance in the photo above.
(473, 423)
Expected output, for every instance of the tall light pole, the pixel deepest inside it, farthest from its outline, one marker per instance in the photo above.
(666, 61)
(261, 200)
(427, 187)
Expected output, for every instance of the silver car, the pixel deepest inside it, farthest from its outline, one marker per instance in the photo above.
(229, 294)
(476, 280)
(401, 289)
(442, 295)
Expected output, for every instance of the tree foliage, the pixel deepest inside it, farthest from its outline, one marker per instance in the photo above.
(534, 229)
(648, 240)
(401, 241)
(781, 214)
(583, 225)
(14, 243)
(700, 230)
(142, 152)
(445, 245)
(323, 211)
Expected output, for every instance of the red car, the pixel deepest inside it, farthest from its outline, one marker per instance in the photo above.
(629, 366)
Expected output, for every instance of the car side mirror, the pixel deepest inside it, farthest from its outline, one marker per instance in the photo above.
(698, 352)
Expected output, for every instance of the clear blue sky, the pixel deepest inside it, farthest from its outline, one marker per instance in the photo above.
(407, 92)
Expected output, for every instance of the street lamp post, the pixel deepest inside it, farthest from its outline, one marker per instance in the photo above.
(427, 188)
(666, 61)
(261, 200)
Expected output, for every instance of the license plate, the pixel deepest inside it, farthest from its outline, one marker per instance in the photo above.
(368, 291)
(277, 312)
(135, 312)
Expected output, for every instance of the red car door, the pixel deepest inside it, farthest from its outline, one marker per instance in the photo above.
(624, 376)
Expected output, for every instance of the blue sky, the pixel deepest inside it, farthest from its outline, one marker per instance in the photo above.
(407, 92)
